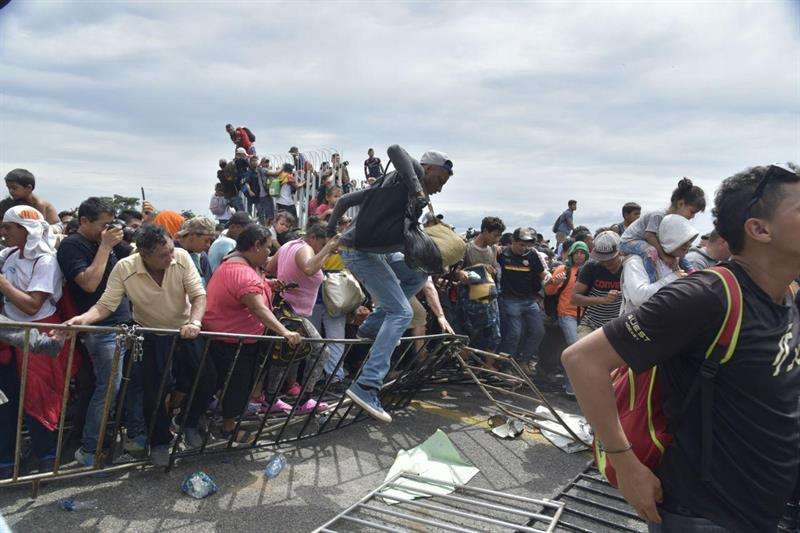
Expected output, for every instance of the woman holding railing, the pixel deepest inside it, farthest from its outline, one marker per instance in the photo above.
(239, 301)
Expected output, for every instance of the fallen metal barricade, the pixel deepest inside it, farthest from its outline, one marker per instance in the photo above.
(413, 363)
(592, 505)
(520, 396)
(465, 509)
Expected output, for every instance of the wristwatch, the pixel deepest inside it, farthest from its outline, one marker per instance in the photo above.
(196, 323)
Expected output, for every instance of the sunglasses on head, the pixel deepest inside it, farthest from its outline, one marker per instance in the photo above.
(774, 173)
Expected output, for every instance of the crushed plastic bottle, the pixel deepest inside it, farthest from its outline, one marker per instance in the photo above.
(199, 485)
(275, 465)
(71, 505)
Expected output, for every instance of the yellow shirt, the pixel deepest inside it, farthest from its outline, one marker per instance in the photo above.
(333, 262)
(165, 306)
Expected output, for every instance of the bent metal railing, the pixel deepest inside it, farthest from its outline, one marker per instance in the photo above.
(413, 363)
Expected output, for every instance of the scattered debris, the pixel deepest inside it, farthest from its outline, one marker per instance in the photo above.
(436, 459)
(275, 465)
(577, 424)
(199, 485)
(71, 505)
(510, 429)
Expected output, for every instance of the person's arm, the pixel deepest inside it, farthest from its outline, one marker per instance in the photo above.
(589, 363)
(636, 284)
(579, 298)
(570, 222)
(50, 213)
(198, 309)
(95, 314)
(311, 263)
(90, 279)
(432, 297)
(255, 303)
(193, 286)
(409, 171)
(28, 302)
(366, 170)
(342, 205)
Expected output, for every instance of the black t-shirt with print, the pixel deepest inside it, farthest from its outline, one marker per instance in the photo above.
(520, 274)
(600, 281)
(756, 422)
(373, 165)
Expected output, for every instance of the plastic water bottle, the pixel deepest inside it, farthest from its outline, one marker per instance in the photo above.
(275, 465)
(199, 485)
(71, 505)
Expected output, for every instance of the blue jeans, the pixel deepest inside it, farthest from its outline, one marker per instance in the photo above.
(334, 329)
(675, 523)
(569, 327)
(391, 283)
(100, 347)
(522, 327)
(236, 202)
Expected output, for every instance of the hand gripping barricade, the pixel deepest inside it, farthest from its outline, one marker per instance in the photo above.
(639, 396)
(269, 429)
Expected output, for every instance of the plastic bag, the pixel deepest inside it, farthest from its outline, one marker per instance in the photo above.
(341, 293)
(199, 485)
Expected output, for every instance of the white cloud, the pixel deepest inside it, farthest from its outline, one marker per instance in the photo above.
(535, 102)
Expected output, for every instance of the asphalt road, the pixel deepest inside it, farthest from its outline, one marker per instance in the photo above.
(325, 475)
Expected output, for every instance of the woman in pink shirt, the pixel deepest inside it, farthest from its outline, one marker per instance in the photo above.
(239, 300)
(300, 262)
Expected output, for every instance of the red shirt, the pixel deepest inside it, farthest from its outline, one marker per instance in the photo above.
(322, 209)
(224, 310)
(245, 141)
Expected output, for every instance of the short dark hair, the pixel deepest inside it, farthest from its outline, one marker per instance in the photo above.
(252, 235)
(629, 208)
(151, 237)
(22, 177)
(66, 213)
(580, 229)
(572, 202)
(240, 218)
(732, 201)
(506, 239)
(8, 203)
(93, 207)
(129, 214)
(490, 224)
(317, 230)
(690, 193)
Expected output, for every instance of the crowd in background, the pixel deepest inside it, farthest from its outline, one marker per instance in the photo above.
(266, 262)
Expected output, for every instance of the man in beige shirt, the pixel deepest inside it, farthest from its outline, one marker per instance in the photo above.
(166, 292)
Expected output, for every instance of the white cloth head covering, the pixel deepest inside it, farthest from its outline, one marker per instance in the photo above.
(675, 231)
(41, 238)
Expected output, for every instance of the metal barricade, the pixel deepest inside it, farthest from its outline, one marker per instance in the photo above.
(413, 363)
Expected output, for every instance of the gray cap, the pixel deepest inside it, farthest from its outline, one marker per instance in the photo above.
(202, 225)
(433, 157)
(606, 246)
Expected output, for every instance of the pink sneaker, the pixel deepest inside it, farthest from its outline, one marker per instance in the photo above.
(309, 406)
(279, 407)
(294, 390)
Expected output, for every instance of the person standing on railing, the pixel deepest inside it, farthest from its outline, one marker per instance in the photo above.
(240, 301)
(289, 183)
(373, 169)
(87, 258)
(31, 287)
(166, 292)
(379, 264)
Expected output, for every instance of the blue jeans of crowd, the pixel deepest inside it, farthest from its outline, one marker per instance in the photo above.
(265, 209)
(522, 327)
(481, 321)
(236, 202)
(101, 348)
(334, 329)
(676, 523)
(391, 283)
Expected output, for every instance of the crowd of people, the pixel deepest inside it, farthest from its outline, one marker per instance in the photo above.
(624, 294)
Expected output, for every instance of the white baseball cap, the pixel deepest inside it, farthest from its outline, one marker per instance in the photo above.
(433, 157)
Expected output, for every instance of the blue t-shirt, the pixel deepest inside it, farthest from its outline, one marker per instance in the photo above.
(565, 222)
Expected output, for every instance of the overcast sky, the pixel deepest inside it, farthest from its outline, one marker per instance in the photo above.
(535, 103)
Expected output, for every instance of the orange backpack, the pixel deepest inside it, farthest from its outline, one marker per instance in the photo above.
(639, 397)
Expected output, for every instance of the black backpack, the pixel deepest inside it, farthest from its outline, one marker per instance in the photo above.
(557, 223)
(249, 134)
(381, 215)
